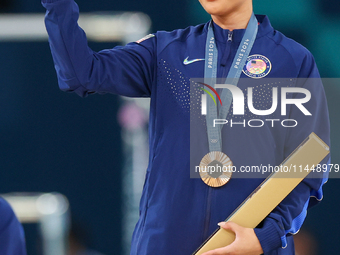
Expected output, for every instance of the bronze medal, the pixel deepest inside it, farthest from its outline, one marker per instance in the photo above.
(216, 169)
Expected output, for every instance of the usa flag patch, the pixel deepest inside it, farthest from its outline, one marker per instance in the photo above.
(145, 38)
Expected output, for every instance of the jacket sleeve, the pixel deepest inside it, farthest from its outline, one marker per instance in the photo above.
(12, 239)
(288, 217)
(126, 71)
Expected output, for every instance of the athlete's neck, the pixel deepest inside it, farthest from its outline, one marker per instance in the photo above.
(234, 20)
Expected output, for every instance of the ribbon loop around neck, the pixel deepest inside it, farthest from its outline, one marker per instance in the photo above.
(210, 76)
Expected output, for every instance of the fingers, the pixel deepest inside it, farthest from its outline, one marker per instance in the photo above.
(224, 250)
(246, 241)
(230, 226)
(220, 251)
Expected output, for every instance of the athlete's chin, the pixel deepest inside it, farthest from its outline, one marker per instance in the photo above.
(213, 7)
(216, 12)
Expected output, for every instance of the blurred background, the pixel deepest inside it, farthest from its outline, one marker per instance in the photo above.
(52, 141)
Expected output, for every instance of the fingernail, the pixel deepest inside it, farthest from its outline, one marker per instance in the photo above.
(221, 223)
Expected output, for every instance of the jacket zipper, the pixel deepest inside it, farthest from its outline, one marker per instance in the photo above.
(230, 36)
(226, 54)
(207, 214)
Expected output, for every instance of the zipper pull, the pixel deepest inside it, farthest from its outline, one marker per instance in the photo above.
(230, 36)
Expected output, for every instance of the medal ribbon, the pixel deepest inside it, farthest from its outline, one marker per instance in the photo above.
(210, 75)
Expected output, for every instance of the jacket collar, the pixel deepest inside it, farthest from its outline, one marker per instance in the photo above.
(221, 34)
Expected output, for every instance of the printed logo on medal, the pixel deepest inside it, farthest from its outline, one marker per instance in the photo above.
(257, 66)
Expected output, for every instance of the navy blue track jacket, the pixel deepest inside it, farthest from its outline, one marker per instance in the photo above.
(178, 213)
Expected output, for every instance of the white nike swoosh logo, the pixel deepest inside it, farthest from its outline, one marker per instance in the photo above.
(188, 62)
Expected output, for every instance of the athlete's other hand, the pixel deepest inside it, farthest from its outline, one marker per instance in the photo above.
(246, 242)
